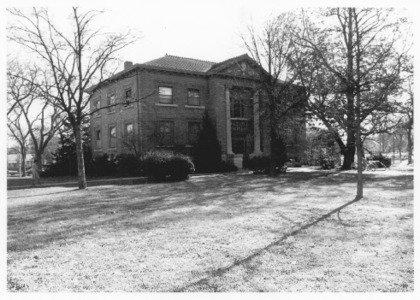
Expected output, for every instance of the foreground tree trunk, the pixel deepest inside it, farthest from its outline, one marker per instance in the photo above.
(22, 161)
(36, 169)
(348, 154)
(360, 154)
(80, 158)
(273, 158)
(409, 146)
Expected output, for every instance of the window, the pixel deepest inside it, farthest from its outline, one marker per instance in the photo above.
(97, 137)
(128, 97)
(193, 132)
(128, 129)
(165, 94)
(111, 100)
(97, 134)
(165, 133)
(241, 127)
(238, 108)
(112, 130)
(128, 94)
(240, 103)
(96, 104)
(193, 97)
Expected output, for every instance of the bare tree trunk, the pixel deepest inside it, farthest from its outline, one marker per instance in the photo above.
(409, 146)
(273, 157)
(359, 147)
(36, 168)
(348, 156)
(393, 147)
(22, 161)
(80, 159)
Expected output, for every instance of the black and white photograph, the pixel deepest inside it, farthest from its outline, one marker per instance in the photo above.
(197, 148)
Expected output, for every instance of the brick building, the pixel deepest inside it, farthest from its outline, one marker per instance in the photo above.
(174, 94)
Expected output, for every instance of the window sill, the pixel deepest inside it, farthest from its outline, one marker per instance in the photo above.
(195, 106)
(239, 119)
(166, 104)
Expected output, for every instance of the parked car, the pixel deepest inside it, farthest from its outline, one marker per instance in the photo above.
(12, 173)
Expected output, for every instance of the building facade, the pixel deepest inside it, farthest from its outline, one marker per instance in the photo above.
(161, 104)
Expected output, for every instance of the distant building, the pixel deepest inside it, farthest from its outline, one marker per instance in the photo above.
(14, 159)
(181, 90)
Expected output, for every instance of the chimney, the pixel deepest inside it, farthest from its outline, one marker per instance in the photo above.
(128, 65)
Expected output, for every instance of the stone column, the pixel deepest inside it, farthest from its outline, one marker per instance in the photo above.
(257, 139)
(228, 123)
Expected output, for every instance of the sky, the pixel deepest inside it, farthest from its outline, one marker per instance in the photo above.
(208, 30)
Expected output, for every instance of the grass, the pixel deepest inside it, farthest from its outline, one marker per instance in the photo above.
(215, 233)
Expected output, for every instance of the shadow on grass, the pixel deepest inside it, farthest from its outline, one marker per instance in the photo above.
(247, 259)
(74, 213)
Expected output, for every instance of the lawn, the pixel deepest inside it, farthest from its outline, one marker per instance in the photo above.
(223, 232)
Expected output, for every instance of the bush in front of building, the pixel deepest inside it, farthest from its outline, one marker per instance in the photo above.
(258, 164)
(166, 166)
(65, 162)
(102, 165)
(180, 166)
(207, 153)
(280, 153)
(227, 166)
(261, 165)
(128, 165)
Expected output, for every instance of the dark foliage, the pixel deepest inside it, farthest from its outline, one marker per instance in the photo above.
(384, 162)
(262, 164)
(128, 165)
(166, 166)
(65, 162)
(326, 162)
(179, 167)
(207, 152)
(321, 147)
(65, 159)
(226, 167)
(279, 152)
(102, 165)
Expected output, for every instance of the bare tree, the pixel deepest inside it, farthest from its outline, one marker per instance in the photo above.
(359, 57)
(41, 126)
(20, 86)
(407, 111)
(20, 134)
(75, 61)
(272, 49)
(39, 117)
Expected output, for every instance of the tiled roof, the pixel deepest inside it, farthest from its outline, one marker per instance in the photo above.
(229, 61)
(181, 64)
(175, 63)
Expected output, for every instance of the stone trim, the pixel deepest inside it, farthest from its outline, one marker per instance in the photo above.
(166, 104)
(195, 106)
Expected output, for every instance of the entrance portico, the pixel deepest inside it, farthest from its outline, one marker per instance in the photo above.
(242, 123)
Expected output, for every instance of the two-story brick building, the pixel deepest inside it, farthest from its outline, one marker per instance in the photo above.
(168, 97)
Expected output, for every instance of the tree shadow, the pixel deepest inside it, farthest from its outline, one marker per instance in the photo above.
(72, 214)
